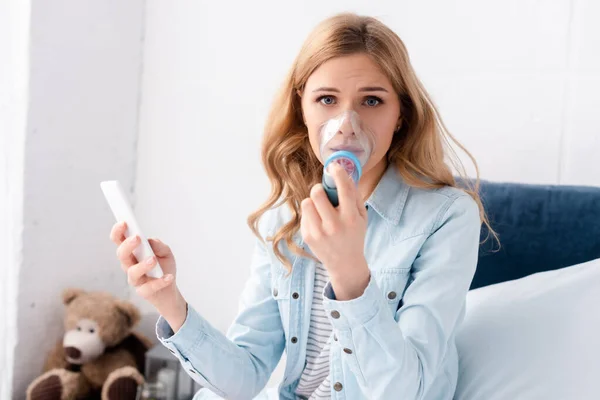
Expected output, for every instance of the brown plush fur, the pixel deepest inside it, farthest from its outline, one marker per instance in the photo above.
(115, 317)
(121, 381)
(122, 358)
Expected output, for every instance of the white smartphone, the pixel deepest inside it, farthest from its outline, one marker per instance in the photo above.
(121, 208)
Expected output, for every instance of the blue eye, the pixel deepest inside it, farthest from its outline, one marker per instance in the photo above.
(373, 101)
(326, 100)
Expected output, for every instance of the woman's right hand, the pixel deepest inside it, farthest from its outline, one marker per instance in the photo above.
(162, 292)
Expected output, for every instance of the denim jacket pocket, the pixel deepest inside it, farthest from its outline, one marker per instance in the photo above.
(392, 282)
(280, 283)
(280, 291)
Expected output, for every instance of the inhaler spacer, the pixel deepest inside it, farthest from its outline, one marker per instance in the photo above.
(347, 141)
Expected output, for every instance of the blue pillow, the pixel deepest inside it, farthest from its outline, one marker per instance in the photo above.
(541, 228)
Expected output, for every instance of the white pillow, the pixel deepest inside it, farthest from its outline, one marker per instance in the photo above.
(533, 338)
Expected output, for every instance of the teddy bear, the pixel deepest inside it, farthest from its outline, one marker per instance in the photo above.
(100, 355)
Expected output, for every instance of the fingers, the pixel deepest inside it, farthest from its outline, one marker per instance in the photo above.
(125, 251)
(146, 286)
(362, 208)
(136, 271)
(310, 224)
(323, 206)
(159, 248)
(347, 191)
(154, 285)
(320, 217)
(136, 274)
(360, 205)
(117, 233)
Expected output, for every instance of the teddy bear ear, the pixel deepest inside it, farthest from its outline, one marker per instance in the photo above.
(130, 312)
(70, 294)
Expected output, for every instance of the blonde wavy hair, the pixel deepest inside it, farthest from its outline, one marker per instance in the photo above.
(418, 150)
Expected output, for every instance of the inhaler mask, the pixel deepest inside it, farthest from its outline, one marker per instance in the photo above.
(347, 141)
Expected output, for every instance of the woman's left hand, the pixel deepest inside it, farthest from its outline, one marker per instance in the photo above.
(336, 236)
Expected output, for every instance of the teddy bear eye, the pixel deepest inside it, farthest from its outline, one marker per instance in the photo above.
(79, 328)
(91, 330)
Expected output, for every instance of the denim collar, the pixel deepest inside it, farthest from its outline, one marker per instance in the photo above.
(390, 195)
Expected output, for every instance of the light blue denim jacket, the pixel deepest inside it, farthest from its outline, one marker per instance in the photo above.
(396, 341)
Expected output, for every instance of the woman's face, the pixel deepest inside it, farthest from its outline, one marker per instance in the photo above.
(347, 84)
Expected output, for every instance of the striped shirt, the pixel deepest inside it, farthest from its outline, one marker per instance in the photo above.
(314, 382)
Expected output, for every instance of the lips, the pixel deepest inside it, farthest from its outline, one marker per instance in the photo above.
(351, 149)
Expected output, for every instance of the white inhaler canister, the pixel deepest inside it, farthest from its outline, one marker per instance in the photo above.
(344, 140)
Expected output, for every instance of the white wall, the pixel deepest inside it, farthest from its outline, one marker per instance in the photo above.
(81, 128)
(14, 41)
(581, 122)
(516, 82)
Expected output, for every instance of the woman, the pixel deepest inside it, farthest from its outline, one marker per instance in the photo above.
(365, 297)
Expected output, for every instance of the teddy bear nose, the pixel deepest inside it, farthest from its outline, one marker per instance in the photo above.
(73, 352)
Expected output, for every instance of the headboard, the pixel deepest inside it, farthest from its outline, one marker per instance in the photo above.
(540, 227)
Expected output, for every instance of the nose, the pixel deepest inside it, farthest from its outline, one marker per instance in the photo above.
(346, 128)
(73, 352)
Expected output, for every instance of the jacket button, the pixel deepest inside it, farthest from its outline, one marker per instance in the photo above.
(338, 387)
(391, 295)
(334, 337)
(294, 339)
(335, 314)
(347, 351)
(275, 292)
(295, 295)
